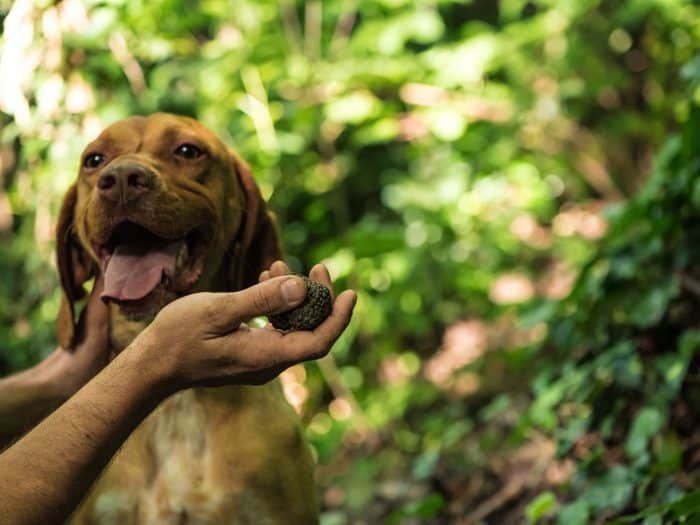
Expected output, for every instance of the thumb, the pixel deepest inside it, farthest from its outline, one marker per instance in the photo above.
(275, 295)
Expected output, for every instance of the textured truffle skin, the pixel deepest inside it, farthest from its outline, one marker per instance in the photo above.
(309, 314)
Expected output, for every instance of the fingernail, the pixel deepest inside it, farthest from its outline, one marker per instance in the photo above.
(293, 290)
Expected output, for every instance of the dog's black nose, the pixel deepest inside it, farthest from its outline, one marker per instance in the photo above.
(124, 181)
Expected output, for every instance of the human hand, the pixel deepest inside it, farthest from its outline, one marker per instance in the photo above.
(66, 371)
(201, 339)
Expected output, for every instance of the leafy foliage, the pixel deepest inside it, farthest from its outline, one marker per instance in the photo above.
(462, 165)
(622, 403)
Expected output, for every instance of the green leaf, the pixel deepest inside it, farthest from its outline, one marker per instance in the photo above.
(687, 505)
(353, 108)
(575, 513)
(653, 519)
(612, 491)
(651, 306)
(689, 343)
(668, 454)
(428, 507)
(672, 368)
(646, 424)
(695, 194)
(540, 506)
(424, 465)
(496, 407)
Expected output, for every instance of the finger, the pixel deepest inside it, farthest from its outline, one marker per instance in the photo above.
(279, 268)
(273, 347)
(96, 315)
(319, 273)
(278, 294)
(264, 276)
(329, 330)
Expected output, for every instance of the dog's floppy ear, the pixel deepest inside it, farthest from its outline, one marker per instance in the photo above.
(257, 243)
(74, 269)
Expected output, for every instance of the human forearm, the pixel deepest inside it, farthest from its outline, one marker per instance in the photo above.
(25, 399)
(29, 396)
(59, 460)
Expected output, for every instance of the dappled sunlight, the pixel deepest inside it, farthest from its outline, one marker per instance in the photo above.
(559, 472)
(462, 343)
(477, 108)
(293, 385)
(43, 224)
(22, 328)
(92, 125)
(74, 15)
(586, 221)
(466, 384)
(556, 280)
(512, 288)
(526, 228)
(513, 337)
(423, 94)
(5, 213)
(17, 62)
(334, 497)
(340, 409)
(412, 127)
(79, 96)
(394, 370)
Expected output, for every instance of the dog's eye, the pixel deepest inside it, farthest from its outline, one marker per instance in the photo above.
(188, 151)
(93, 160)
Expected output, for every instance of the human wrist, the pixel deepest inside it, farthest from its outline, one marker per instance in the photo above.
(52, 380)
(145, 359)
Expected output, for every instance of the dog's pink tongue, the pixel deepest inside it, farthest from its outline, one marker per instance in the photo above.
(134, 270)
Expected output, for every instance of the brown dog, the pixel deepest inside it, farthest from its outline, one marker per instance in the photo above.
(162, 208)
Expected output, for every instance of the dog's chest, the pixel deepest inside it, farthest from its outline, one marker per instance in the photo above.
(159, 475)
(199, 459)
(165, 474)
(178, 444)
(162, 473)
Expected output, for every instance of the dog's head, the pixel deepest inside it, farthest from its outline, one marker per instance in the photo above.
(161, 208)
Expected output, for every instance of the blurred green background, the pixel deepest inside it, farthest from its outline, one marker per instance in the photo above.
(511, 186)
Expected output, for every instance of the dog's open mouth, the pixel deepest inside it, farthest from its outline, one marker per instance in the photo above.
(136, 262)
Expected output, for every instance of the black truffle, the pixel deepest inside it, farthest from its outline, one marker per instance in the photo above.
(309, 314)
